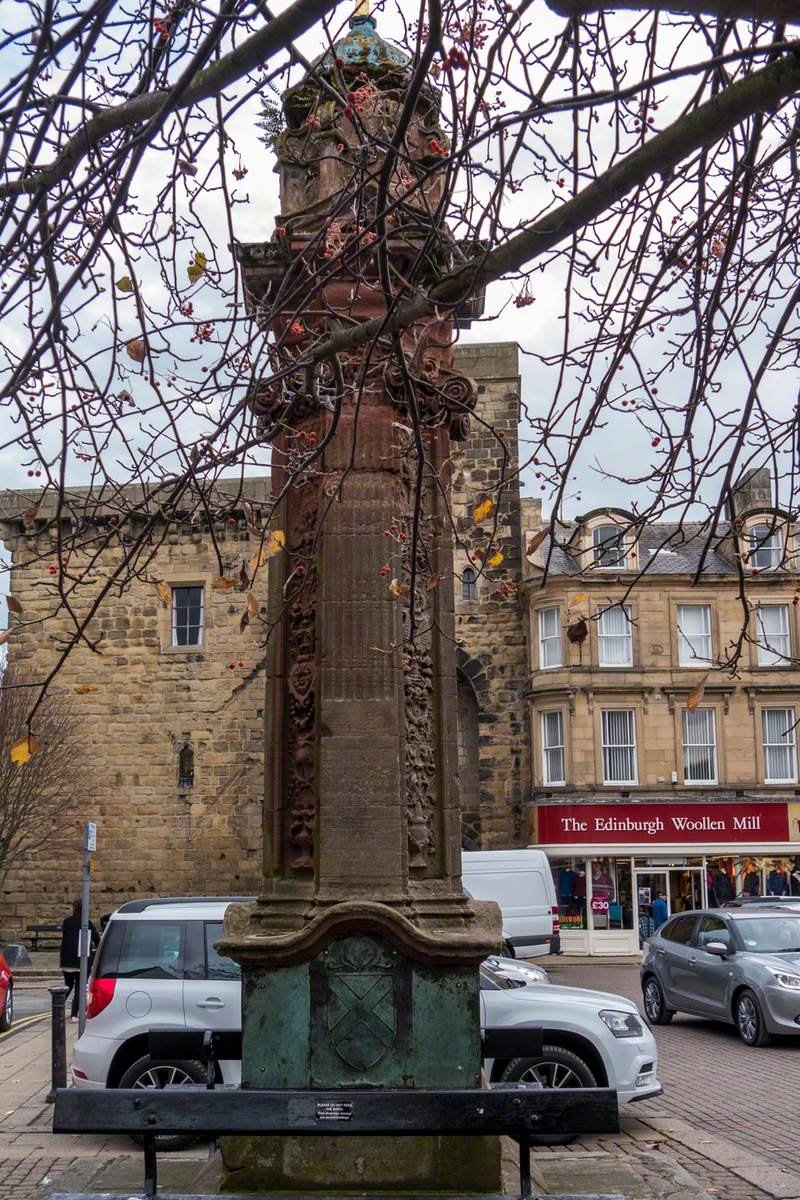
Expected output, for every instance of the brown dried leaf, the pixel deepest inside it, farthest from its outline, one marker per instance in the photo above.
(14, 605)
(397, 588)
(447, 471)
(31, 513)
(249, 512)
(164, 594)
(244, 577)
(578, 632)
(187, 168)
(536, 541)
(83, 688)
(276, 543)
(483, 510)
(433, 582)
(252, 605)
(245, 621)
(696, 694)
(221, 584)
(136, 350)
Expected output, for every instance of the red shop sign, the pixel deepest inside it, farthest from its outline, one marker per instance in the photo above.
(638, 824)
(600, 904)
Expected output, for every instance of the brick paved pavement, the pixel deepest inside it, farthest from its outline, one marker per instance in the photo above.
(656, 1157)
(711, 1079)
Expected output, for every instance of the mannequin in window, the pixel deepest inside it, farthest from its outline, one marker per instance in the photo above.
(777, 881)
(794, 877)
(602, 883)
(751, 884)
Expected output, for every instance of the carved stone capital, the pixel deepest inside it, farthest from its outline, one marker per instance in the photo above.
(459, 931)
(443, 396)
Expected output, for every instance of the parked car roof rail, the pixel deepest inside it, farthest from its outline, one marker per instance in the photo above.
(137, 906)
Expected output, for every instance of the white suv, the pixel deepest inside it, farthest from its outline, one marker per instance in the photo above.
(157, 966)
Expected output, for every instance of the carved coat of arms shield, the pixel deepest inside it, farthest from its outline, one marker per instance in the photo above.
(361, 1004)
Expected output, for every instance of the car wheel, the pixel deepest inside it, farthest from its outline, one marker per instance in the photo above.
(749, 1020)
(150, 1072)
(555, 1067)
(655, 1006)
(508, 949)
(7, 1015)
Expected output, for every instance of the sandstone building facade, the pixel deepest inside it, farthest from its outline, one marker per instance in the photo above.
(174, 731)
(655, 769)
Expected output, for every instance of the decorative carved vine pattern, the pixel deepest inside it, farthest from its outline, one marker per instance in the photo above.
(444, 396)
(302, 678)
(419, 698)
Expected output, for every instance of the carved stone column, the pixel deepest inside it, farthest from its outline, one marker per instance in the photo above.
(360, 958)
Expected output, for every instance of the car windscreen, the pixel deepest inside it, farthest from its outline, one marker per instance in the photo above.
(491, 981)
(770, 935)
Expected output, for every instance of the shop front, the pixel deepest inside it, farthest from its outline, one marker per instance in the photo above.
(618, 866)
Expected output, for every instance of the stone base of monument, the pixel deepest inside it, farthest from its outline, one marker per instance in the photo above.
(361, 1014)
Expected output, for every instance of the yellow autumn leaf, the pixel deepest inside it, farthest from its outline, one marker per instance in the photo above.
(581, 598)
(197, 269)
(83, 688)
(24, 749)
(164, 594)
(276, 543)
(252, 605)
(483, 510)
(222, 584)
(125, 284)
(496, 559)
(696, 694)
(397, 588)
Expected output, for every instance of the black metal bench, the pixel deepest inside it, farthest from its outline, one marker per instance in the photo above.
(49, 935)
(516, 1110)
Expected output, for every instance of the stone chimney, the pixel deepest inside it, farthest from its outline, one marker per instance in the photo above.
(754, 490)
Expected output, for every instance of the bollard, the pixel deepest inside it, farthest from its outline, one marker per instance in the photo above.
(58, 1041)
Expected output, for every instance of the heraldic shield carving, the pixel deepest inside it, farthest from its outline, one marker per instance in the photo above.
(358, 986)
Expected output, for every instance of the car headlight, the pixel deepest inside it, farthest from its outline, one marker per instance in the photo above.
(787, 980)
(621, 1024)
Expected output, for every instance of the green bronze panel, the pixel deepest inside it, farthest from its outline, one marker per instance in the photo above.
(275, 1023)
(447, 1023)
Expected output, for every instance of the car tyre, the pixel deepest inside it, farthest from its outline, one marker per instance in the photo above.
(750, 1020)
(508, 949)
(149, 1072)
(7, 1015)
(554, 1067)
(655, 1006)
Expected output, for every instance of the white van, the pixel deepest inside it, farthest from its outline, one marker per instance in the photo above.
(521, 882)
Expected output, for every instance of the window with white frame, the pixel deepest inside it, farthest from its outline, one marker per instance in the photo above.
(187, 616)
(553, 747)
(780, 763)
(608, 543)
(694, 635)
(773, 641)
(614, 636)
(619, 745)
(699, 746)
(765, 548)
(549, 638)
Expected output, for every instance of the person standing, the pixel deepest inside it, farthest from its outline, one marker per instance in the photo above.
(69, 957)
(646, 924)
(660, 910)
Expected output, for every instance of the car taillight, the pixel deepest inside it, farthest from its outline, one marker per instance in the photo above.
(101, 993)
(556, 922)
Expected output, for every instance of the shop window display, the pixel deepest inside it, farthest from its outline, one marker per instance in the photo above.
(720, 881)
(749, 877)
(612, 894)
(569, 877)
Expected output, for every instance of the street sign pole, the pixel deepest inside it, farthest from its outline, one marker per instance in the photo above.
(89, 845)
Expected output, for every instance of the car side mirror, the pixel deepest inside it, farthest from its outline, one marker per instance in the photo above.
(719, 948)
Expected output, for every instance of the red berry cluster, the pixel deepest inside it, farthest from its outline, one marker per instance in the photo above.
(187, 309)
(161, 28)
(36, 473)
(232, 666)
(437, 147)
(505, 590)
(202, 333)
(394, 531)
(296, 329)
(523, 301)
(456, 58)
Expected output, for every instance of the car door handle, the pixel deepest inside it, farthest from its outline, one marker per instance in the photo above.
(692, 960)
(211, 1002)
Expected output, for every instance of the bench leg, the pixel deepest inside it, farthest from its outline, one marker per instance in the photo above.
(150, 1165)
(524, 1167)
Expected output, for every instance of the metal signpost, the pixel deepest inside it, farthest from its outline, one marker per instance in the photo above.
(89, 846)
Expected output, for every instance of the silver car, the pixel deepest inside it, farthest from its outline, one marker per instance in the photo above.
(739, 965)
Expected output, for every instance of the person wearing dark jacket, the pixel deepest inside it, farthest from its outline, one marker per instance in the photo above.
(69, 958)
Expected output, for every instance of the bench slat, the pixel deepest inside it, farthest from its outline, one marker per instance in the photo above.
(512, 1110)
(316, 1196)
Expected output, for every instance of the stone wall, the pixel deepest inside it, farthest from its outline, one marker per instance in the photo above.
(492, 654)
(154, 837)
